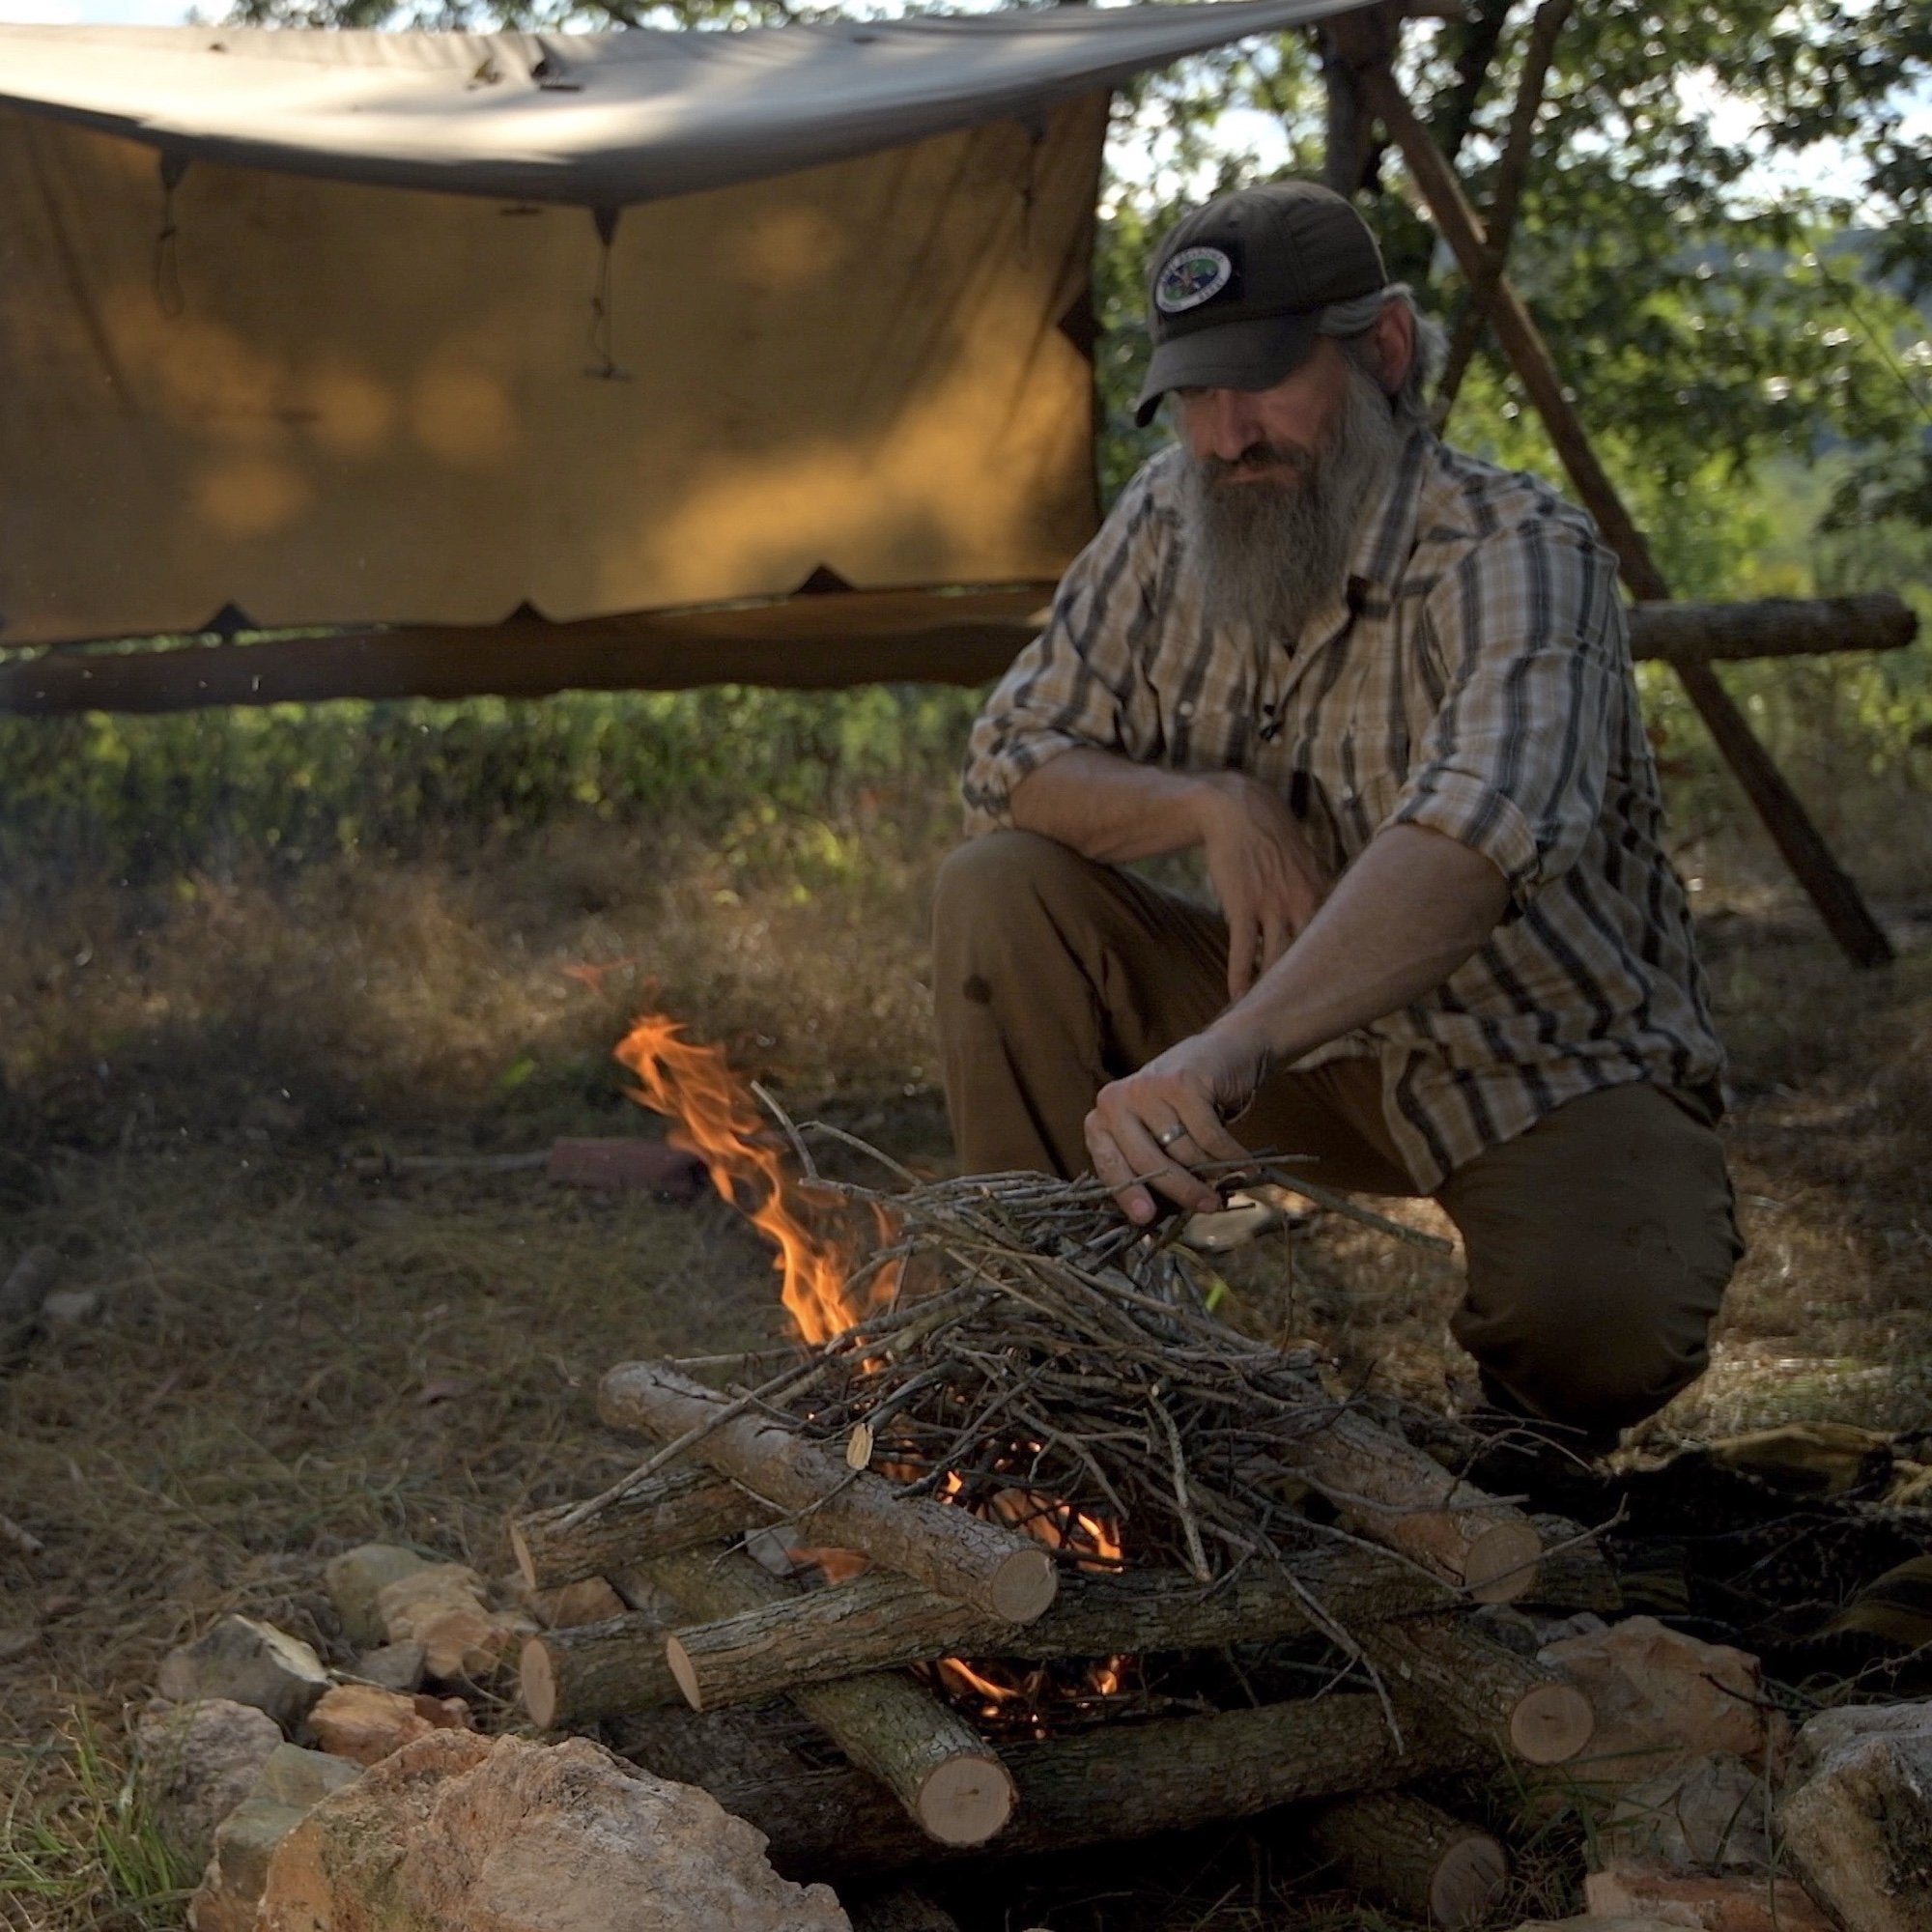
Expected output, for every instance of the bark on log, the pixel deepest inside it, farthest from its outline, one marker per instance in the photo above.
(1574, 1574)
(1444, 1677)
(880, 1621)
(949, 1551)
(1405, 1853)
(939, 1767)
(1120, 1781)
(677, 1509)
(1393, 1492)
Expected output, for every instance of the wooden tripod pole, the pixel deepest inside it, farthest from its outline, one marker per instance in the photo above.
(1831, 888)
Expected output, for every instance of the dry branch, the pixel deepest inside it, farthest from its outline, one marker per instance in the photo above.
(999, 1571)
(1120, 1781)
(1403, 1852)
(674, 1511)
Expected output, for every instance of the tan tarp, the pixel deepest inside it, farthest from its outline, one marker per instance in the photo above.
(317, 401)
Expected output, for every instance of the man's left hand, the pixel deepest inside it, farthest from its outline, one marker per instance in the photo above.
(1147, 1131)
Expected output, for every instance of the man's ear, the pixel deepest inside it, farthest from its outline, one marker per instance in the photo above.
(1392, 337)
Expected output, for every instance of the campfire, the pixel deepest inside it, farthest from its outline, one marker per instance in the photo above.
(1050, 1554)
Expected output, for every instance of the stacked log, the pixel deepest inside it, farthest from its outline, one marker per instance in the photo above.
(1397, 1589)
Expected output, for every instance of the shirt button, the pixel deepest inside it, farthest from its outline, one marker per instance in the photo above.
(1185, 708)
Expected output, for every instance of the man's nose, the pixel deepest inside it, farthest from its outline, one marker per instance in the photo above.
(1227, 423)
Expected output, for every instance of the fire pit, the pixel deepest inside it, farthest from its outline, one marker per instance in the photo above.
(1046, 1525)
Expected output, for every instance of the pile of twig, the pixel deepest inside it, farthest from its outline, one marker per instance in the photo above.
(1051, 1366)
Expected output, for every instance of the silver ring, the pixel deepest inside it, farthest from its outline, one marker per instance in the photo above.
(1177, 1133)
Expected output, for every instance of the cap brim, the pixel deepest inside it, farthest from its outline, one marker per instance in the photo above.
(1253, 355)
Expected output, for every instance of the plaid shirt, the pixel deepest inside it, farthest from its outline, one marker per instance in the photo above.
(1475, 680)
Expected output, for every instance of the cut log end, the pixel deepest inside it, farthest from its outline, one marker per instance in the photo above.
(537, 1683)
(1500, 1565)
(1469, 1882)
(685, 1672)
(966, 1799)
(1024, 1586)
(1551, 1723)
(520, 1549)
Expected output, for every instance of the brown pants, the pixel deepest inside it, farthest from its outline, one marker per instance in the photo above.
(1597, 1242)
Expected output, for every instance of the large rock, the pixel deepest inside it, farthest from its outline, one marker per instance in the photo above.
(502, 1836)
(1711, 1814)
(247, 1663)
(1664, 1700)
(194, 1763)
(291, 1783)
(366, 1724)
(1859, 1831)
(1830, 1730)
(443, 1607)
(357, 1577)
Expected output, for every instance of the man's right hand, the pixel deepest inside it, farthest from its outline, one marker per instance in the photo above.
(1266, 874)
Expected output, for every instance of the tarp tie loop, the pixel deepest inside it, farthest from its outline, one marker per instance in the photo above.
(169, 297)
(602, 303)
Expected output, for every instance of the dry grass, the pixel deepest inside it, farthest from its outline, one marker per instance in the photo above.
(292, 1358)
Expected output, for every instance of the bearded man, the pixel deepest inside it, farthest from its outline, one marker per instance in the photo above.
(1385, 689)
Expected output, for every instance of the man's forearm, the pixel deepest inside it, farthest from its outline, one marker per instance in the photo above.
(1108, 808)
(1409, 911)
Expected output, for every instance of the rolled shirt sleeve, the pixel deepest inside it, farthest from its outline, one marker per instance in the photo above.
(1531, 641)
(1082, 682)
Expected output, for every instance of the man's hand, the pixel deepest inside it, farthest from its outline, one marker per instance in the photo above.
(1150, 1128)
(1266, 877)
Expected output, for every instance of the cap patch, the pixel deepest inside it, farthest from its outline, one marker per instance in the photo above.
(1192, 277)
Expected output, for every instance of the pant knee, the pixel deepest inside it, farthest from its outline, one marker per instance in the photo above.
(1595, 1349)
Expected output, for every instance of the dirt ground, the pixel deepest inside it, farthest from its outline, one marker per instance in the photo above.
(290, 1353)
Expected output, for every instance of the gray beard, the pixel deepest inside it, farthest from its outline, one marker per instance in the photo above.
(1272, 554)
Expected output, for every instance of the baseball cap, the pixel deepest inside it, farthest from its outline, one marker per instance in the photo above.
(1234, 288)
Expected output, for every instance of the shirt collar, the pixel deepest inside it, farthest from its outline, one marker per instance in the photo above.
(1387, 535)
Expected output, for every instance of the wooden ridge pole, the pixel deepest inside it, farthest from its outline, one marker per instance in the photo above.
(1831, 888)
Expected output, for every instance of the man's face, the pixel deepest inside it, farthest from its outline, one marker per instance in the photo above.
(1242, 437)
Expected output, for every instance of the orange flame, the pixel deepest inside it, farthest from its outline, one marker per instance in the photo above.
(718, 1120)
(715, 1117)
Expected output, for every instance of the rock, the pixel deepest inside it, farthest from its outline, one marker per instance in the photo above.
(1664, 1700)
(194, 1763)
(1859, 1831)
(589, 1601)
(442, 1609)
(1709, 1815)
(70, 1308)
(1830, 1730)
(503, 1836)
(395, 1666)
(354, 1580)
(363, 1723)
(293, 1782)
(1590, 1923)
(247, 1663)
(1703, 1901)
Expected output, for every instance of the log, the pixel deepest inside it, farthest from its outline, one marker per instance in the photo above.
(1392, 1491)
(1574, 1574)
(609, 1669)
(1404, 1853)
(1122, 1780)
(1445, 1677)
(945, 1776)
(880, 1621)
(997, 1570)
(677, 1509)
(1771, 627)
